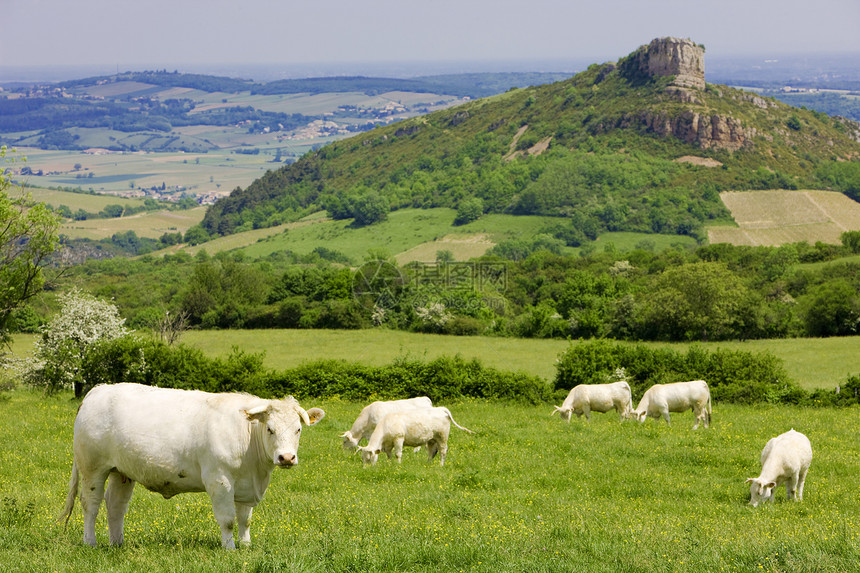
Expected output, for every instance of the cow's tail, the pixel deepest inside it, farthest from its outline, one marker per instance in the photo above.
(70, 498)
(450, 417)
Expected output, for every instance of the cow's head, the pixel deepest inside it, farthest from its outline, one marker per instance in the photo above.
(280, 423)
(760, 490)
(368, 455)
(349, 441)
(638, 415)
(563, 413)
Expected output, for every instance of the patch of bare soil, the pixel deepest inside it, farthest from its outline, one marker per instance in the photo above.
(462, 246)
(703, 161)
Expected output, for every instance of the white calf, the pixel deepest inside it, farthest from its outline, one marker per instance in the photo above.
(660, 399)
(412, 428)
(370, 416)
(785, 458)
(587, 398)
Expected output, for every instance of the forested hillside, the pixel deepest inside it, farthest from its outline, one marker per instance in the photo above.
(616, 147)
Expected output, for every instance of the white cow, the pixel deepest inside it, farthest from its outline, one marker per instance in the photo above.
(785, 458)
(371, 415)
(660, 399)
(588, 398)
(177, 441)
(413, 428)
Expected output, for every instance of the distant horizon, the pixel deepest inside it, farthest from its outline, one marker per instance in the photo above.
(267, 72)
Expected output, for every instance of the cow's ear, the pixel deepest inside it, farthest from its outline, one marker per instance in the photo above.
(377, 451)
(557, 409)
(259, 413)
(750, 480)
(771, 484)
(315, 415)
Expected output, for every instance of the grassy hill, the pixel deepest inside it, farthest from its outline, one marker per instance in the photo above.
(610, 149)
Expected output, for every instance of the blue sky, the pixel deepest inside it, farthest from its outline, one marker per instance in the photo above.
(171, 34)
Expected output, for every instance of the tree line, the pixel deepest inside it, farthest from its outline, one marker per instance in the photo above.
(522, 289)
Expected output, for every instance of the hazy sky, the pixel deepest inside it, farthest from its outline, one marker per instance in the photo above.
(148, 34)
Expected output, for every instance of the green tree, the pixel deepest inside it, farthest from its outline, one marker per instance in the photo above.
(370, 208)
(696, 301)
(832, 309)
(28, 236)
(851, 241)
(469, 210)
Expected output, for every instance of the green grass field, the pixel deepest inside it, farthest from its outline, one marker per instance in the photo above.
(417, 234)
(811, 362)
(527, 492)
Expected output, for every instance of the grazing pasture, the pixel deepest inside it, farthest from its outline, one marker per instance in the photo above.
(527, 492)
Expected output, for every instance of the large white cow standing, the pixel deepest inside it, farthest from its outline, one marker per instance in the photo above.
(660, 399)
(588, 398)
(177, 441)
(424, 426)
(373, 413)
(785, 458)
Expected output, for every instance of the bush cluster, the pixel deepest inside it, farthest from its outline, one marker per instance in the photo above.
(152, 362)
(733, 376)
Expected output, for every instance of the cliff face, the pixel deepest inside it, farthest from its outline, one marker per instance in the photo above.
(672, 57)
(685, 62)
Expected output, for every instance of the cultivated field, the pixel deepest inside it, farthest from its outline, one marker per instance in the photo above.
(527, 492)
(778, 217)
(116, 173)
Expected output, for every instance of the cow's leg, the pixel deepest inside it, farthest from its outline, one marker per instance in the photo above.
(587, 411)
(243, 519)
(398, 450)
(92, 494)
(443, 451)
(117, 496)
(220, 491)
(665, 414)
(801, 479)
(432, 448)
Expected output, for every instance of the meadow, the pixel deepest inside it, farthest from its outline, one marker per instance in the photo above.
(527, 492)
(811, 362)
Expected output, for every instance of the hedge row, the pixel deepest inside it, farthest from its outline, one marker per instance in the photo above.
(733, 376)
(155, 363)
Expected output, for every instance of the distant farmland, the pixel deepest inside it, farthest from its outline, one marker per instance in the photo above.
(772, 218)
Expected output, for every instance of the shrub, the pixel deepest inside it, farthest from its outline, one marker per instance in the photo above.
(733, 376)
(440, 379)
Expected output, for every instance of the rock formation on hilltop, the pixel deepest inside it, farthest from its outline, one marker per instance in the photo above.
(673, 57)
(683, 61)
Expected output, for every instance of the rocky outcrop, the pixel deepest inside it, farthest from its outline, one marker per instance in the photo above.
(706, 131)
(676, 57)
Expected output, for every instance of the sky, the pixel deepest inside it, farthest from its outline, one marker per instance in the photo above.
(187, 34)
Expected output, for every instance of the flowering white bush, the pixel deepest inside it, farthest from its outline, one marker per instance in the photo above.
(83, 321)
(435, 314)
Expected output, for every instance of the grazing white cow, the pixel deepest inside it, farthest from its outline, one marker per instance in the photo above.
(412, 428)
(588, 398)
(660, 399)
(785, 458)
(371, 415)
(177, 441)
